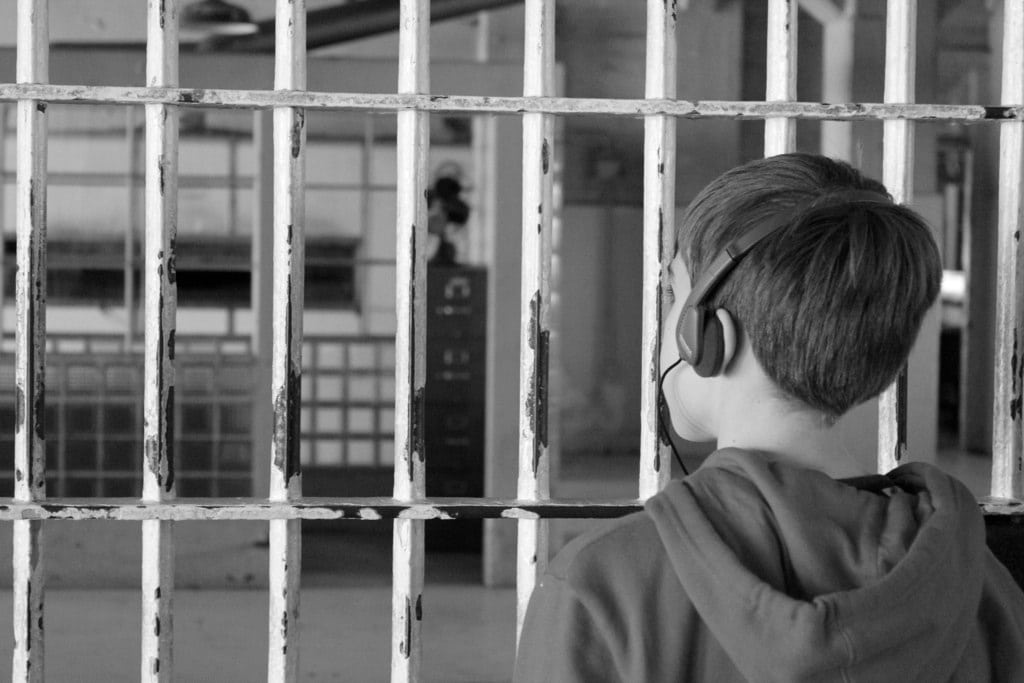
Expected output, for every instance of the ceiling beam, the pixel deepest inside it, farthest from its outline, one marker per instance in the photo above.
(346, 22)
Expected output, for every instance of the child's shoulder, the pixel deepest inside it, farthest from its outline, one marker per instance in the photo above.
(608, 549)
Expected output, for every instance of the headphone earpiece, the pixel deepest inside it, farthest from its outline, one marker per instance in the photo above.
(701, 340)
(713, 347)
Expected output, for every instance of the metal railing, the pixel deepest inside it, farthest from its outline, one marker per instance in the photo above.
(413, 103)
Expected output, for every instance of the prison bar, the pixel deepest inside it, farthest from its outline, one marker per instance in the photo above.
(659, 237)
(412, 149)
(285, 552)
(780, 78)
(356, 509)
(535, 300)
(471, 104)
(30, 343)
(897, 176)
(1008, 423)
(161, 199)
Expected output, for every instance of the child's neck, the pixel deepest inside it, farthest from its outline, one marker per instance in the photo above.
(786, 433)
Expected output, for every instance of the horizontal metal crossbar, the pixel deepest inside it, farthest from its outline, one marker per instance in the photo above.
(469, 104)
(367, 509)
(352, 508)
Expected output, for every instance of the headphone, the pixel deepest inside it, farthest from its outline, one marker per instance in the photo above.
(699, 334)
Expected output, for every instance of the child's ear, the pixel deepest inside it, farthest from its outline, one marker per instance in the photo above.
(728, 336)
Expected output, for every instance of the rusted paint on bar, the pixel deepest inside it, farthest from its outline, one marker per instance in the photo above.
(469, 104)
(1007, 421)
(285, 558)
(898, 175)
(334, 508)
(161, 215)
(780, 81)
(659, 213)
(535, 297)
(412, 149)
(28, 577)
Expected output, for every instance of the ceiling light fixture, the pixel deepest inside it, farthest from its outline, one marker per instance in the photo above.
(217, 17)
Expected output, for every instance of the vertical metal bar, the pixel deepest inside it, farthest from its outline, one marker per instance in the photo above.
(780, 84)
(535, 300)
(1007, 421)
(30, 342)
(413, 147)
(161, 200)
(286, 371)
(897, 174)
(659, 219)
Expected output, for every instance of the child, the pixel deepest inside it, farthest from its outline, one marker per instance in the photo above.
(809, 286)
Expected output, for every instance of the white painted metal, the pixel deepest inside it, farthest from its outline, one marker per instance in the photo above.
(413, 147)
(535, 299)
(358, 509)
(1008, 423)
(286, 363)
(452, 104)
(780, 84)
(30, 343)
(161, 200)
(897, 174)
(659, 236)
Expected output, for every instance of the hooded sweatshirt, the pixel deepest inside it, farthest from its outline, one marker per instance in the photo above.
(756, 570)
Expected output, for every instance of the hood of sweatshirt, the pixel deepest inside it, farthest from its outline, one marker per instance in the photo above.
(801, 577)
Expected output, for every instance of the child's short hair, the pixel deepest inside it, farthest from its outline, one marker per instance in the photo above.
(831, 304)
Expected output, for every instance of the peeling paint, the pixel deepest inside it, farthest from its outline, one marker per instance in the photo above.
(419, 607)
(297, 125)
(41, 107)
(545, 157)
(405, 647)
(284, 630)
(1016, 380)
(417, 423)
(168, 460)
(170, 344)
(292, 465)
(541, 382)
(172, 258)
(998, 113)
(286, 424)
(19, 408)
(39, 409)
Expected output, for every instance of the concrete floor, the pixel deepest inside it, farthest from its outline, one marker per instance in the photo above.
(220, 635)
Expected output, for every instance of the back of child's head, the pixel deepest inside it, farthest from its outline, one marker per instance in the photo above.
(831, 303)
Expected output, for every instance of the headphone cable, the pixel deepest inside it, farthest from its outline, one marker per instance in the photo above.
(664, 417)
